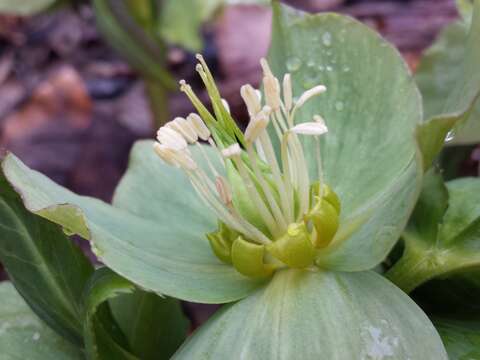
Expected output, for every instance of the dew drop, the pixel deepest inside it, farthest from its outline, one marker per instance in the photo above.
(321, 68)
(339, 106)
(327, 39)
(346, 69)
(293, 64)
(329, 68)
(311, 63)
(36, 336)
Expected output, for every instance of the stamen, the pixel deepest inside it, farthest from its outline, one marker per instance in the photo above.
(287, 92)
(251, 99)
(197, 123)
(232, 150)
(317, 127)
(182, 126)
(257, 124)
(307, 95)
(271, 87)
(171, 138)
(223, 190)
(166, 154)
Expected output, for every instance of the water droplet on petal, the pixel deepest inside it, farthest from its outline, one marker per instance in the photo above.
(293, 64)
(329, 68)
(346, 69)
(311, 63)
(327, 39)
(339, 106)
(321, 68)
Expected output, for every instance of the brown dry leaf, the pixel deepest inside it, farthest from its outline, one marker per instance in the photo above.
(62, 98)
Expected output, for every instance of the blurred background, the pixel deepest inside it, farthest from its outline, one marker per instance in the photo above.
(80, 81)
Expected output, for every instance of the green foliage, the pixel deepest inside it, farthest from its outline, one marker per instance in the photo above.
(154, 326)
(449, 80)
(443, 235)
(25, 7)
(47, 269)
(24, 336)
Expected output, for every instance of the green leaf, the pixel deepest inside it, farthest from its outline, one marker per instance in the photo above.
(152, 238)
(319, 315)
(24, 7)
(180, 23)
(371, 108)
(145, 52)
(461, 338)
(155, 327)
(103, 338)
(449, 79)
(24, 336)
(437, 243)
(48, 270)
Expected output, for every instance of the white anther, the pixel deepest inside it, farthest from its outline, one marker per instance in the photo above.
(225, 105)
(223, 190)
(165, 153)
(251, 99)
(182, 126)
(257, 124)
(197, 123)
(287, 92)
(232, 150)
(317, 127)
(307, 95)
(171, 138)
(271, 86)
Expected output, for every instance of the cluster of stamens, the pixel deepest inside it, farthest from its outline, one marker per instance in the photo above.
(276, 187)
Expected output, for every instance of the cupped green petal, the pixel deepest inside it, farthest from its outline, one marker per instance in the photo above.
(319, 315)
(371, 108)
(24, 336)
(154, 235)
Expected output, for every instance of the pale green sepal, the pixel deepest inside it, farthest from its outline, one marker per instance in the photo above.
(248, 259)
(294, 248)
(319, 316)
(24, 336)
(371, 108)
(150, 237)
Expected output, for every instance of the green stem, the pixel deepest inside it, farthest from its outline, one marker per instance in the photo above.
(410, 272)
(158, 98)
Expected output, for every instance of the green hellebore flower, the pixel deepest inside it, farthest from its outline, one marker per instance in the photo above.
(310, 302)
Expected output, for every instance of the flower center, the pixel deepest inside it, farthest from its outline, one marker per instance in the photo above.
(270, 214)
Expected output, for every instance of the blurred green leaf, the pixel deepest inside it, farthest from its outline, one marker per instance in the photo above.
(48, 270)
(441, 239)
(449, 79)
(460, 337)
(103, 337)
(24, 336)
(180, 23)
(154, 326)
(145, 52)
(24, 7)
